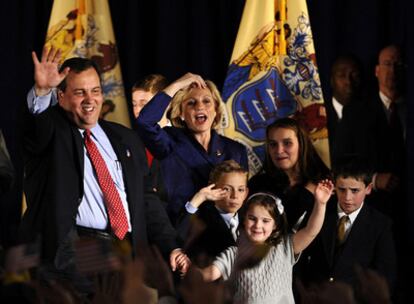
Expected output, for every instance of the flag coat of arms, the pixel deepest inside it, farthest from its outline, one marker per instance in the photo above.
(273, 74)
(83, 28)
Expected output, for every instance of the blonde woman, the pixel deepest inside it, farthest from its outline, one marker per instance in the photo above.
(191, 147)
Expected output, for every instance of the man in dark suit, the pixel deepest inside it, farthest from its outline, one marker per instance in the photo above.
(346, 89)
(83, 176)
(353, 233)
(375, 129)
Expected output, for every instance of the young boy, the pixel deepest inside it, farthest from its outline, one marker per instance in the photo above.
(208, 223)
(353, 233)
(142, 92)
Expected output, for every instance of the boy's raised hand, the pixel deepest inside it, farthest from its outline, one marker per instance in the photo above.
(208, 193)
(323, 191)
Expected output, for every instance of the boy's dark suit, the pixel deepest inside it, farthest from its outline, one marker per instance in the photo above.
(369, 244)
(54, 170)
(214, 237)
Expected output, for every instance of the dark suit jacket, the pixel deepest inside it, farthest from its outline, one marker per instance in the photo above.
(214, 237)
(156, 182)
(332, 124)
(369, 244)
(6, 167)
(366, 132)
(185, 165)
(54, 164)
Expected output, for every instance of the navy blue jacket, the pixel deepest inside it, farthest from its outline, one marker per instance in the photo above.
(185, 165)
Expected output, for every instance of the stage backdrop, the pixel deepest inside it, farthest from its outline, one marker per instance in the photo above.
(172, 37)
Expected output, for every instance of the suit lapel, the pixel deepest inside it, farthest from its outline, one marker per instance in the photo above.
(199, 155)
(80, 161)
(216, 222)
(328, 236)
(216, 153)
(222, 226)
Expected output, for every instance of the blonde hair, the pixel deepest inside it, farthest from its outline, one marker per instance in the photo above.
(227, 166)
(175, 111)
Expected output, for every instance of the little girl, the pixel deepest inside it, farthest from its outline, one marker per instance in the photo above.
(265, 225)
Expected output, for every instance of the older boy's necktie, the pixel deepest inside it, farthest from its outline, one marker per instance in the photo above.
(342, 228)
(116, 212)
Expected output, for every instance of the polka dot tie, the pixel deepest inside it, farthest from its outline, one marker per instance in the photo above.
(116, 212)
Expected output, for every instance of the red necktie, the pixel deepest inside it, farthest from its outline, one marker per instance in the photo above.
(116, 212)
(150, 158)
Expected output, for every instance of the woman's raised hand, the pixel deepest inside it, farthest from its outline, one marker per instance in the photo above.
(183, 82)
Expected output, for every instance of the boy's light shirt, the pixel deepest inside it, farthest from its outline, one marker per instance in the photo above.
(227, 217)
(190, 208)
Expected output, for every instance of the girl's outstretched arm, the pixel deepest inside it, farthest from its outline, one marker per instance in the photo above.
(210, 273)
(305, 236)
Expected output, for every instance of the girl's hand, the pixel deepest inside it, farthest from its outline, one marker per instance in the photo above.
(179, 261)
(323, 191)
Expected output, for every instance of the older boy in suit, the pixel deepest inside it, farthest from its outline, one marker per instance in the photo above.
(353, 233)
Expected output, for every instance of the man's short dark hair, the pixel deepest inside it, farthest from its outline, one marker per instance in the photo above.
(78, 65)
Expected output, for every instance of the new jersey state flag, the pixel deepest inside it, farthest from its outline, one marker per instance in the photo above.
(83, 28)
(273, 74)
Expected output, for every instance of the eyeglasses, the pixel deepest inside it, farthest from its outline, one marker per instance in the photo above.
(395, 65)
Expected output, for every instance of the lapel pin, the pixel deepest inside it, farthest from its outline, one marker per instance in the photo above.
(128, 153)
(218, 153)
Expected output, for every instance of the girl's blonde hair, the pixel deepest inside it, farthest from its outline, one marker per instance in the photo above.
(175, 111)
